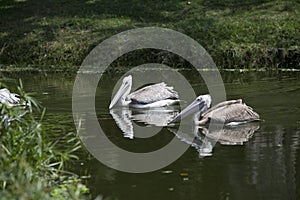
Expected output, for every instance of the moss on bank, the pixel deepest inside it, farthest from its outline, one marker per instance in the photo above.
(237, 34)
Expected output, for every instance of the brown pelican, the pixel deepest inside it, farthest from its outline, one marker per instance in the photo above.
(233, 112)
(157, 95)
(6, 97)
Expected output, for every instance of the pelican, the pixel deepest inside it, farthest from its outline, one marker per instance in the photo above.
(6, 97)
(157, 95)
(232, 112)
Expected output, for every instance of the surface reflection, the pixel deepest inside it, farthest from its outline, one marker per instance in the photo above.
(127, 119)
(205, 138)
(123, 119)
(201, 143)
(265, 167)
(231, 135)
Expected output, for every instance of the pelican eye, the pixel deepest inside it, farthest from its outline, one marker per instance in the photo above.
(199, 99)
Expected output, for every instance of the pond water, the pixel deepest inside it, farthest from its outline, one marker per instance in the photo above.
(265, 165)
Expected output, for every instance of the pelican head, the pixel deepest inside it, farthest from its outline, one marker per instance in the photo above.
(200, 104)
(123, 91)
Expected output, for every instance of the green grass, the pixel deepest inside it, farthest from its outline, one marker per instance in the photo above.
(238, 34)
(32, 164)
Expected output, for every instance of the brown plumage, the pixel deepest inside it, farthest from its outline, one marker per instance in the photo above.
(229, 112)
(233, 112)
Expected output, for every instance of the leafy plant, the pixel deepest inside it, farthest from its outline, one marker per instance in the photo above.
(32, 166)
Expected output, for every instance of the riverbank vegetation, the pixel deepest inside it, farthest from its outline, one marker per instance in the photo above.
(237, 34)
(32, 163)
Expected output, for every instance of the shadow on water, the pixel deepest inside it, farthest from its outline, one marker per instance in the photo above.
(265, 164)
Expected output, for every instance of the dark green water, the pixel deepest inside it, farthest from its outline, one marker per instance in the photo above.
(265, 167)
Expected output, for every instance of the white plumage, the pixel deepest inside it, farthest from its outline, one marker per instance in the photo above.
(6, 97)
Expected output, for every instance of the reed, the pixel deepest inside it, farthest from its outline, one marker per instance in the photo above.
(32, 165)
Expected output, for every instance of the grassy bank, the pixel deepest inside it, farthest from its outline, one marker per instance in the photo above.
(237, 34)
(31, 163)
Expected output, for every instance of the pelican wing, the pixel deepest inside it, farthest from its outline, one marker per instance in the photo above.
(153, 93)
(222, 105)
(231, 111)
(7, 97)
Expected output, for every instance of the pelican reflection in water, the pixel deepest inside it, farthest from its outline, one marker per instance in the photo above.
(154, 117)
(122, 118)
(157, 95)
(231, 135)
(204, 139)
(232, 112)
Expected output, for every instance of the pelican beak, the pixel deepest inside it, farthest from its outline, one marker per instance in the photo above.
(118, 95)
(192, 108)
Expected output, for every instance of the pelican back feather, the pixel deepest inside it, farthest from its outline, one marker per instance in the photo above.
(153, 93)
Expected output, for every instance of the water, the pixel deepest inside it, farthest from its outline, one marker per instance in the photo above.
(265, 166)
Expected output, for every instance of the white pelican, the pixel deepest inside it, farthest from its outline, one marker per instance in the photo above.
(233, 112)
(157, 95)
(6, 97)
